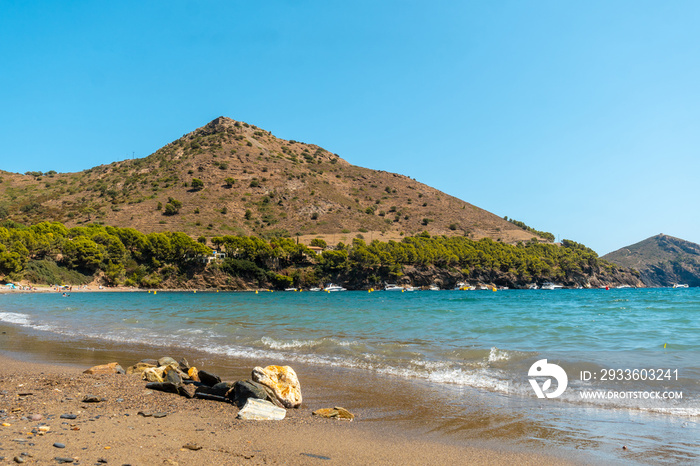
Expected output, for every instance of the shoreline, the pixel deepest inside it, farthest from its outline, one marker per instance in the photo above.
(386, 402)
(113, 431)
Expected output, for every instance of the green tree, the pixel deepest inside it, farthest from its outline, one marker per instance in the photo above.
(83, 253)
(197, 184)
(318, 242)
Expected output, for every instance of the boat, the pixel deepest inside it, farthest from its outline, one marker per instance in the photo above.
(551, 286)
(533, 286)
(464, 286)
(433, 288)
(680, 285)
(392, 287)
(409, 288)
(315, 288)
(332, 287)
(290, 289)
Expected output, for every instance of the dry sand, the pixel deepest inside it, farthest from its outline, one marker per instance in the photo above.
(112, 431)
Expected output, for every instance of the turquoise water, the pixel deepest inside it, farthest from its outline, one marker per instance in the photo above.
(461, 340)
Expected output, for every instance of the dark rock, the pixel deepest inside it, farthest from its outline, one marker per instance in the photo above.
(145, 413)
(223, 387)
(18, 459)
(209, 396)
(184, 365)
(173, 377)
(192, 446)
(159, 415)
(151, 362)
(162, 386)
(219, 389)
(92, 399)
(244, 389)
(59, 445)
(186, 390)
(62, 460)
(208, 379)
(68, 416)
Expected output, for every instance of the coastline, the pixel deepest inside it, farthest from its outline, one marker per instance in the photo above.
(113, 431)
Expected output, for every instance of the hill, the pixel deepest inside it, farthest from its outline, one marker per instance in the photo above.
(661, 260)
(229, 177)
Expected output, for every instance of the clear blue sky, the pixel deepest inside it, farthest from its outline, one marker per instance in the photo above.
(578, 118)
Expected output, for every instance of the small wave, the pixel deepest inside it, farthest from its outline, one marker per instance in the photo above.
(190, 331)
(274, 344)
(296, 344)
(498, 355)
(15, 318)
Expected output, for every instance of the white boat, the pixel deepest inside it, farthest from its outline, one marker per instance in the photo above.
(409, 288)
(551, 286)
(392, 287)
(680, 285)
(533, 286)
(290, 289)
(434, 288)
(332, 287)
(315, 288)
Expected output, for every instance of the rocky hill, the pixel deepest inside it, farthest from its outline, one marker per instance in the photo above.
(661, 260)
(229, 177)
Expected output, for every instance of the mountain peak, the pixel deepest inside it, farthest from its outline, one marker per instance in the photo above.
(250, 182)
(661, 260)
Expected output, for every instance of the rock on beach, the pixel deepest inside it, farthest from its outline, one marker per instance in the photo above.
(283, 382)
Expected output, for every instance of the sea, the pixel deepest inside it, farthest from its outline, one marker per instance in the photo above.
(606, 375)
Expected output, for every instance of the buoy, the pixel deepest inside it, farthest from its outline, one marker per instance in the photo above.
(154, 292)
(664, 345)
(256, 291)
(194, 291)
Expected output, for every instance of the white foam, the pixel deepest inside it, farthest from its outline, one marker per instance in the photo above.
(498, 355)
(274, 344)
(15, 318)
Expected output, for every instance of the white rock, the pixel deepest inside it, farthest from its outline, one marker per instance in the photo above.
(261, 410)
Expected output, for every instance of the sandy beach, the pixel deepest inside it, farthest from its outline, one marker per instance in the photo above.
(33, 396)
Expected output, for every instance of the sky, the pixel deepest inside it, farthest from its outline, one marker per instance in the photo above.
(577, 118)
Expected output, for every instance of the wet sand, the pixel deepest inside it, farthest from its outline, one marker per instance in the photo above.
(113, 432)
